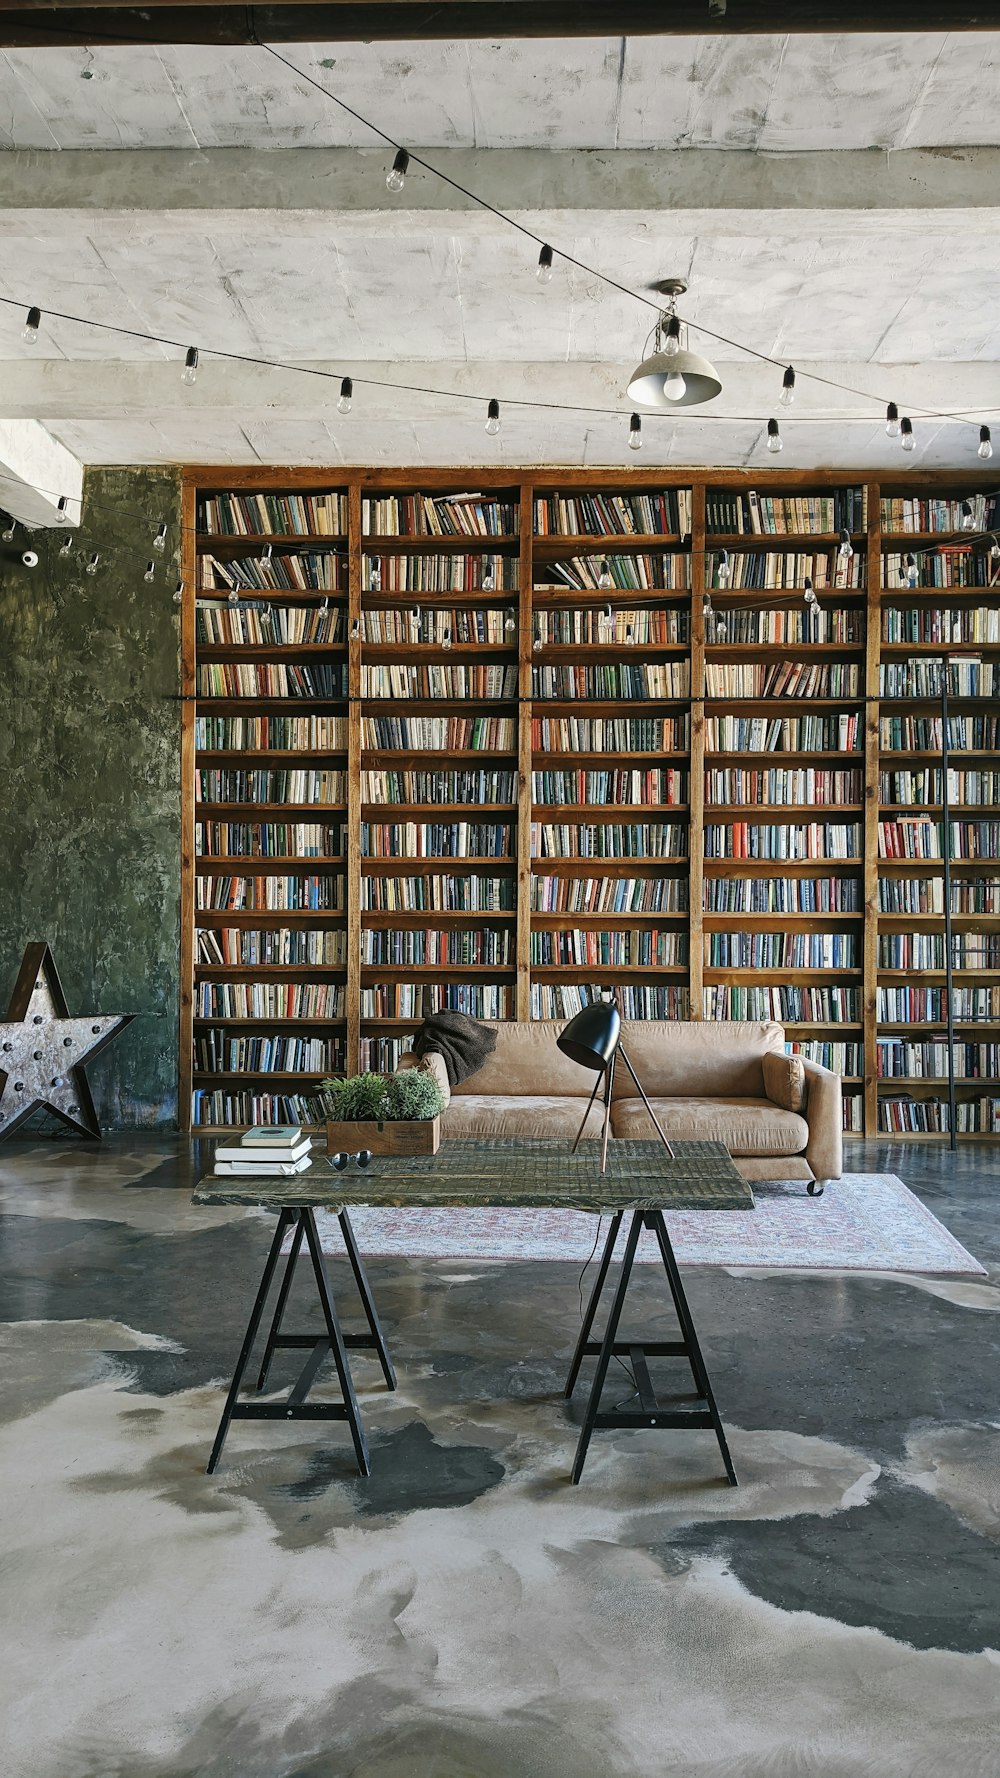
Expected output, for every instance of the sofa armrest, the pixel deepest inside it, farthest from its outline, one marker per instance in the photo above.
(824, 1115)
(430, 1064)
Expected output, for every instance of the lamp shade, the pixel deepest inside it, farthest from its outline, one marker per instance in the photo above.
(591, 1038)
(648, 381)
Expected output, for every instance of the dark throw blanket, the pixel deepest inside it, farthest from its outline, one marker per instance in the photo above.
(462, 1043)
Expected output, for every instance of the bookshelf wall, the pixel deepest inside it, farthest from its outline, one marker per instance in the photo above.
(583, 732)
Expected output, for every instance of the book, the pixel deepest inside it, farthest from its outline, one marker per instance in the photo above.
(276, 1169)
(281, 1143)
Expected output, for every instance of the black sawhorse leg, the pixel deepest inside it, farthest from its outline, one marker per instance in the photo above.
(700, 1412)
(319, 1345)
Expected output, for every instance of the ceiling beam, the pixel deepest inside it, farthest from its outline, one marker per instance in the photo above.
(33, 23)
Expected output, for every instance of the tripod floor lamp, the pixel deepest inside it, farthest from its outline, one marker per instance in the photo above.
(593, 1038)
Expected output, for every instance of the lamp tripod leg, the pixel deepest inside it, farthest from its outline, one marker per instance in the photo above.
(620, 1051)
(586, 1114)
(609, 1081)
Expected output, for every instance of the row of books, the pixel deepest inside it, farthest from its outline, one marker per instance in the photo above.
(495, 786)
(921, 1006)
(458, 734)
(261, 734)
(557, 1002)
(637, 840)
(784, 571)
(624, 574)
(476, 572)
(382, 1055)
(468, 945)
(809, 1006)
(261, 625)
(444, 894)
(783, 679)
(925, 895)
(549, 789)
(226, 1107)
(609, 734)
(781, 950)
(784, 734)
(799, 785)
(415, 1000)
(240, 947)
(852, 1114)
(438, 681)
(909, 513)
(927, 679)
(925, 734)
(271, 894)
(957, 567)
(927, 785)
(445, 515)
(746, 623)
(799, 515)
(318, 571)
(667, 679)
(916, 836)
(932, 1117)
(664, 513)
(926, 950)
(936, 623)
(897, 1058)
(218, 1052)
(620, 950)
(257, 515)
(436, 839)
(433, 626)
(743, 839)
(310, 786)
(268, 839)
(267, 679)
(268, 1000)
(782, 895)
(840, 1058)
(608, 895)
(606, 627)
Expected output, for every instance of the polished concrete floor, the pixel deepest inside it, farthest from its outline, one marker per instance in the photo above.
(466, 1613)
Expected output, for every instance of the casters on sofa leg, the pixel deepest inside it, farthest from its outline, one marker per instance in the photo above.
(816, 1188)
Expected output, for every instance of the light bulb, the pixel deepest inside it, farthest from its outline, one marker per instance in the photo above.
(62, 511)
(346, 396)
(635, 433)
(190, 372)
(446, 639)
(489, 577)
(846, 549)
(544, 271)
(233, 597)
(787, 395)
(968, 516)
(672, 337)
(910, 569)
(607, 614)
(985, 443)
(178, 592)
(722, 573)
(807, 588)
(674, 387)
(150, 571)
(892, 420)
(720, 629)
(510, 621)
(375, 578)
(160, 540)
(92, 564)
(906, 431)
(537, 643)
(356, 628)
(604, 578)
(395, 179)
(58, 1080)
(493, 418)
(29, 332)
(267, 552)
(995, 550)
(709, 610)
(7, 535)
(775, 442)
(66, 547)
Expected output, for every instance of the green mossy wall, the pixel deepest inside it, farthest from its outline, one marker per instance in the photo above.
(90, 777)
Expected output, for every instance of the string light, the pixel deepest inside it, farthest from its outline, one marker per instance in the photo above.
(489, 575)
(267, 552)
(356, 628)
(62, 511)
(722, 572)
(604, 577)
(493, 417)
(892, 420)
(985, 444)
(7, 535)
(32, 323)
(544, 269)
(906, 434)
(160, 540)
(395, 179)
(968, 516)
(375, 578)
(787, 395)
(189, 375)
(232, 597)
(846, 549)
(178, 592)
(510, 621)
(150, 571)
(909, 570)
(346, 396)
(775, 442)
(92, 565)
(672, 337)
(446, 639)
(66, 546)
(635, 433)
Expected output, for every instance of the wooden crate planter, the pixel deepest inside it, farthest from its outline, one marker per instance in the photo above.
(413, 1135)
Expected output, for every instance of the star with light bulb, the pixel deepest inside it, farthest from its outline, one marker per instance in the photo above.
(43, 1051)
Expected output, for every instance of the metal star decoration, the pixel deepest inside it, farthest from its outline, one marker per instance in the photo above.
(43, 1050)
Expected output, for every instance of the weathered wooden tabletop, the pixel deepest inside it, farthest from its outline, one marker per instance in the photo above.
(506, 1171)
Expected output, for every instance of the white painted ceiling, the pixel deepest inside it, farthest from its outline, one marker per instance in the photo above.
(899, 301)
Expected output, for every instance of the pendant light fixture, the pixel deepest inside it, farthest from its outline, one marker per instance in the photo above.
(673, 376)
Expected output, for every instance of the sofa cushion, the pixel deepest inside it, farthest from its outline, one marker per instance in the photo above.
(747, 1126)
(527, 1060)
(706, 1059)
(785, 1081)
(519, 1114)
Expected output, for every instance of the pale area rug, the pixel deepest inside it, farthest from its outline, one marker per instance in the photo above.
(866, 1222)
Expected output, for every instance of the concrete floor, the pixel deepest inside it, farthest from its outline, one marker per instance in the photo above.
(466, 1613)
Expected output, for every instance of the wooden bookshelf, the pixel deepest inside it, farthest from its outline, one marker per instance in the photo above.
(461, 684)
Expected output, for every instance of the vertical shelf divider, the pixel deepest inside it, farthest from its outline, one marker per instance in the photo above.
(869, 835)
(352, 887)
(525, 638)
(696, 761)
(189, 576)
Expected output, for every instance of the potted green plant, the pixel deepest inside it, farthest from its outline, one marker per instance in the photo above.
(390, 1114)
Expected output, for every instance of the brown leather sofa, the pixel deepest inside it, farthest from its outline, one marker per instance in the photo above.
(778, 1115)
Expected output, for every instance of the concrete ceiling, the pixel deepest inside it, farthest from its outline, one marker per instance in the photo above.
(748, 165)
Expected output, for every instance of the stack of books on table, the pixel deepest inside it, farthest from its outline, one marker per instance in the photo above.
(281, 1149)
